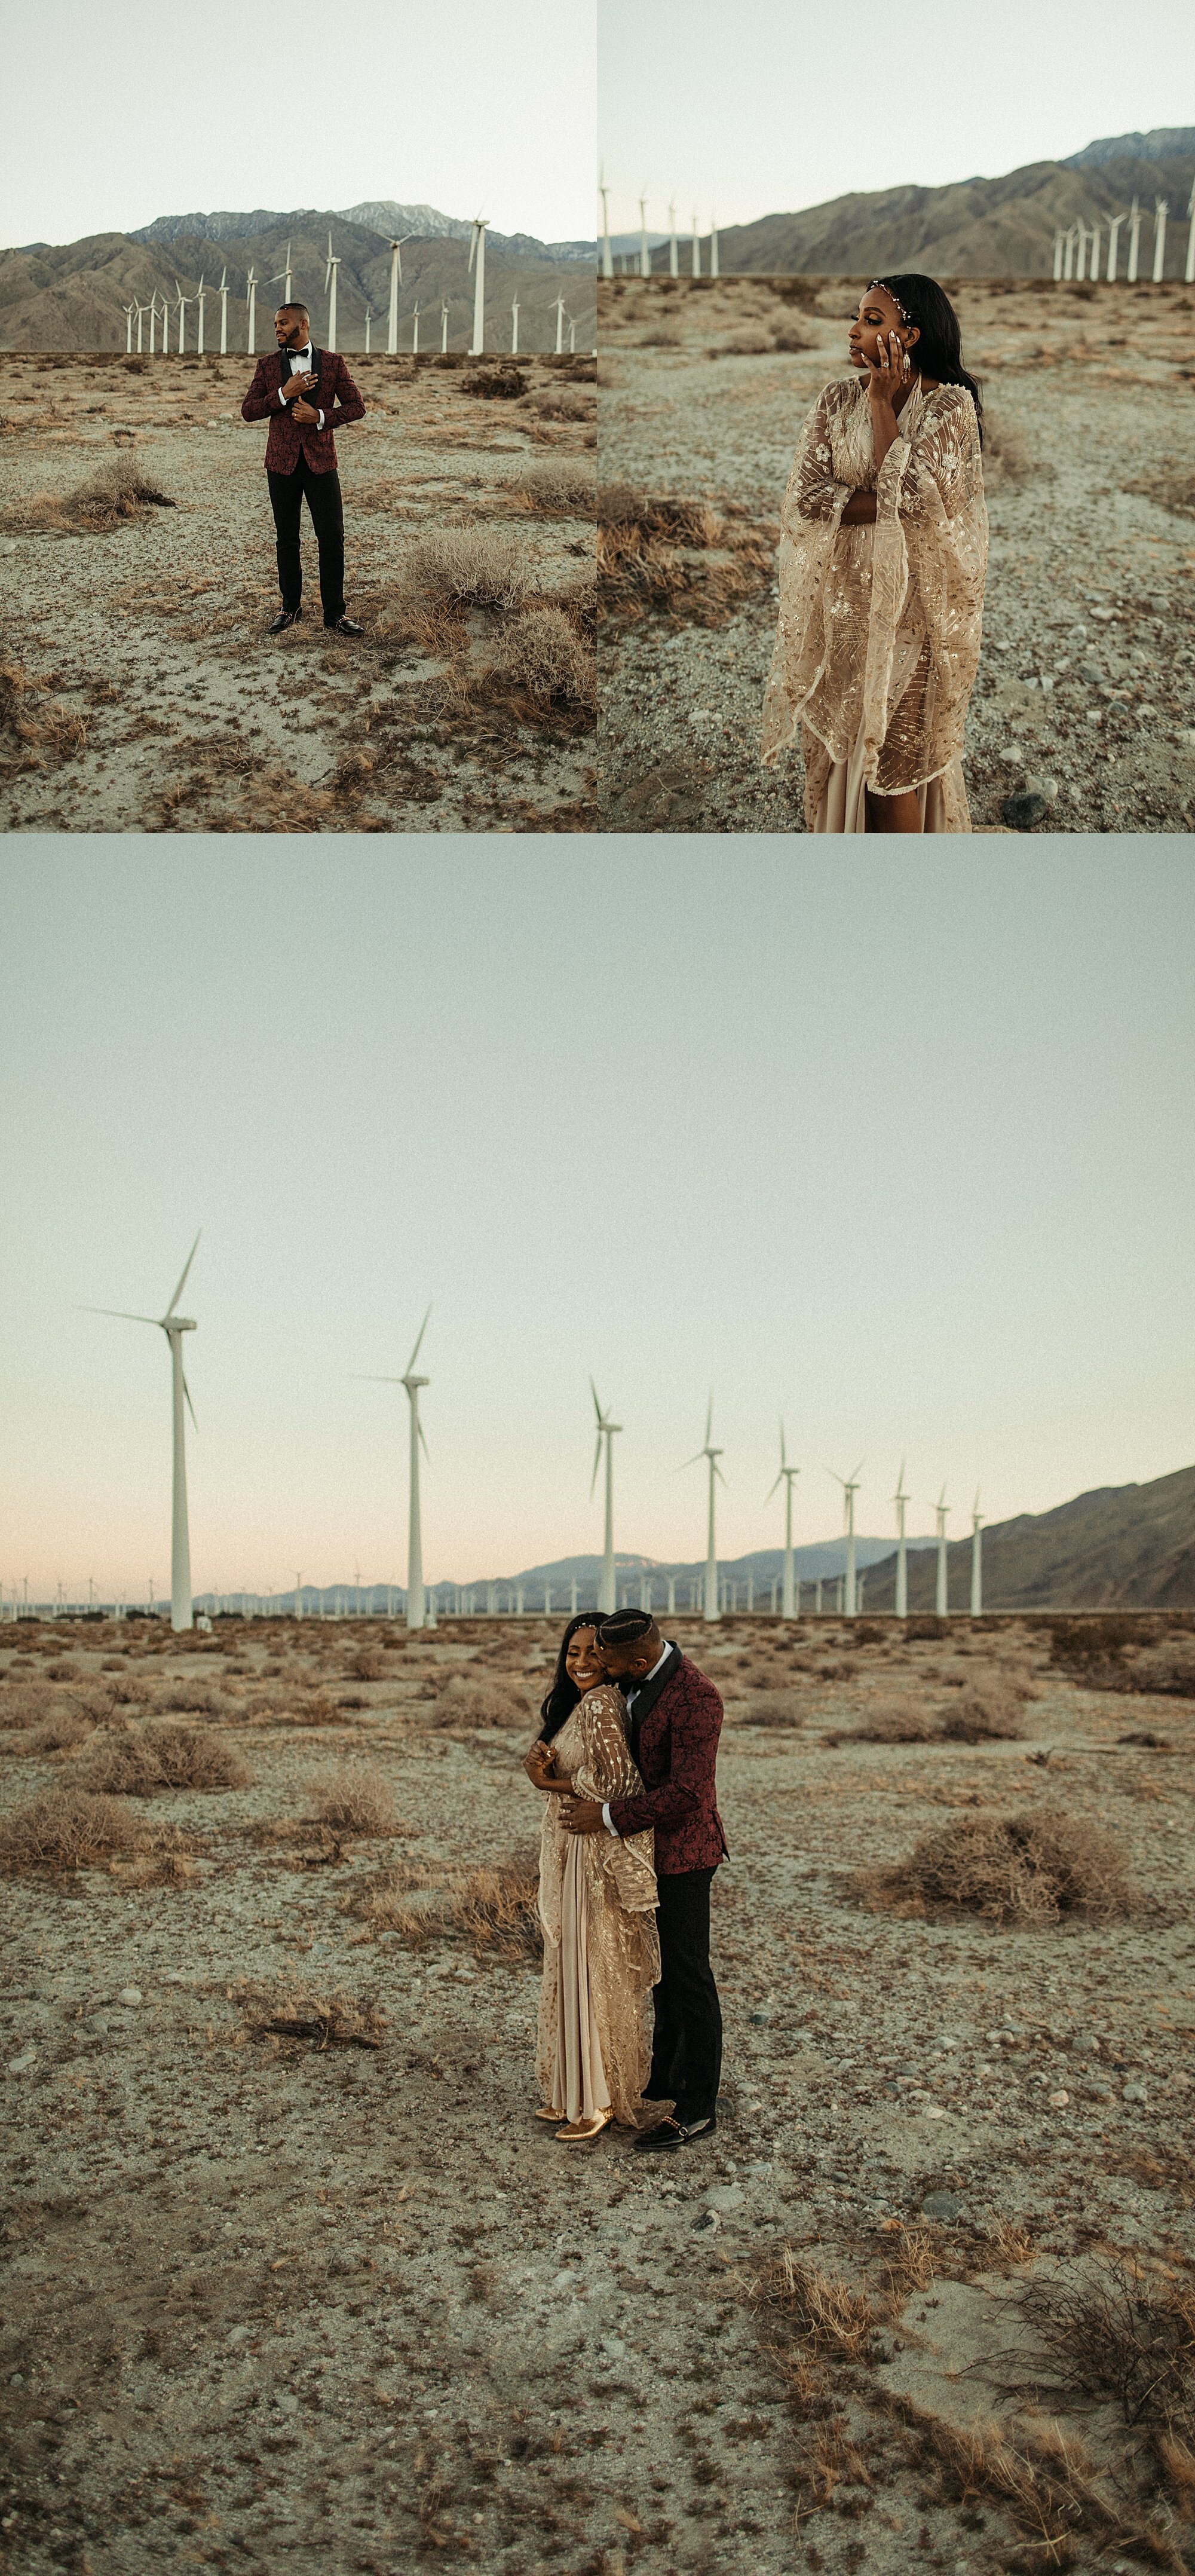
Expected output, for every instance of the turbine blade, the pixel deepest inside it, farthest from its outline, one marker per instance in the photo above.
(190, 1406)
(772, 1488)
(423, 1445)
(596, 1406)
(183, 1281)
(783, 1459)
(597, 1460)
(366, 1377)
(415, 1353)
(718, 1473)
(691, 1462)
(119, 1312)
(709, 1419)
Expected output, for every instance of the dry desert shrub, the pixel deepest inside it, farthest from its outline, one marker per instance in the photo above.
(495, 384)
(1006, 456)
(1173, 489)
(1116, 2335)
(988, 1713)
(543, 653)
(368, 1665)
(34, 736)
(773, 1708)
(1023, 1869)
(559, 402)
(65, 1829)
(560, 490)
(815, 2318)
(789, 339)
(470, 567)
(651, 550)
(199, 1698)
(59, 1734)
(354, 1800)
(890, 1721)
(119, 492)
(27, 1702)
(478, 1699)
(65, 1669)
(168, 1756)
(742, 344)
(661, 335)
(336, 2020)
(496, 1908)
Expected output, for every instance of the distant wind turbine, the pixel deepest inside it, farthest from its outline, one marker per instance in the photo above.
(715, 271)
(1161, 210)
(559, 324)
(331, 274)
(200, 293)
(1114, 224)
(976, 1558)
(942, 1591)
(443, 326)
(251, 301)
(396, 252)
(712, 1608)
(224, 313)
(606, 1430)
(673, 252)
(900, 1498)
(787, 1473)
(477, 252)
(1189, 270)
(644, 253)
(142, 310)
(604, 194)
(415, 333)
(182, 301)
(850, 1487)
(696, 249)
(1134, 239)
(368, 320)
(174, 1326)
(129, 311)
(416, 1597)
(153, 321)
(282, 276)
(514, 328)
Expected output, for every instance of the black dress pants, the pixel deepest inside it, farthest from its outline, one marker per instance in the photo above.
(686, 2057)
(327, 519)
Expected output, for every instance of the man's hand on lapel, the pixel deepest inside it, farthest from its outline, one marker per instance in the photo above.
(292, 388)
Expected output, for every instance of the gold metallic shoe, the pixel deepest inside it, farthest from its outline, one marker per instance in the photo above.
(543, 2114)
(578, 2133)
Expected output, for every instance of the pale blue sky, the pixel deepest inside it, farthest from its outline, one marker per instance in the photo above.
(899, 1145)
(759, 109)
(123, 112)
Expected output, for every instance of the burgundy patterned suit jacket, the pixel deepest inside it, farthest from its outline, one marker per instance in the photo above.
(335, 395)
(677, 1751)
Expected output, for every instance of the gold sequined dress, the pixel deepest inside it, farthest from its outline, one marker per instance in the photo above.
(877, 638)
(597, 1904)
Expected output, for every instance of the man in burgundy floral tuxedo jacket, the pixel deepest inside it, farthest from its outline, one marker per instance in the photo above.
(304, 393)
(675, 1721)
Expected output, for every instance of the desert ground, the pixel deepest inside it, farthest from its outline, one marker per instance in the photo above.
(1084, 708)
(139, 690)
(295, 2279)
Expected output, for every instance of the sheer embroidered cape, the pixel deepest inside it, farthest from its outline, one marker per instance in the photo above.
(619, 1894)
(880, 627)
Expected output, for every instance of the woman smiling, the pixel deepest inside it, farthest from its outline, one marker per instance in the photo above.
(883, 551)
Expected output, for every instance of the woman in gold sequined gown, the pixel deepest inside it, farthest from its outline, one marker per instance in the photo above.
(883, 552)
(597, 1901)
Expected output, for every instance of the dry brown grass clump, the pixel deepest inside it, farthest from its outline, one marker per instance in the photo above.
(368, 1665)
(1173, 489)
(1121, 2336)
(119, 492)
(563, 489)
(65, 1669)
(1025, 1869)
(27, 1702)
(495, 1908)
(331, 2021)
(478, 1699)
(988, 1713)
(65, 1829)
(495, 384)
(34, 736)
(743, 344)
(59, 1734)
(354, 1800)
(198, 1698)
(545, 655)
(891, 1721)
(166, 1756)
(774, 1708)
(470, 567)
(559, 402)
(652, 550)
(1006, 456)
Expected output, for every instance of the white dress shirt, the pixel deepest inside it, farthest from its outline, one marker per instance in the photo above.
(300, 365)
(631, 1695)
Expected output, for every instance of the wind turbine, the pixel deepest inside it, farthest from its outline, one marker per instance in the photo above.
(251, 301)
(415, 333)
(514, 328)
(224, 313)
(416, 1597)
(200, 293)
(281, 277)
(1114, 224)
(572, 335)
(1059, 238)
(900, 1498)
(477, 251)
(396, 251)
(673, 253)
(559, 324)
(976, 1558)
(443, 328)
(174, 1326)
(1189, 270)
(142, 310)
(368, 320)
(941, 1594)
(604, 194)
(644, 253)
(182, 301)
(715, 271)
(129, 311)
(606, 1429)
(786, 1476)
(696, 249)
(1134, 239)
(850, 1487)
(712, 1609)
(330, 276)
(153, 320)
(1161, 210)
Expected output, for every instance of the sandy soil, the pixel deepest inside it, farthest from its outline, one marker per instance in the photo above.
(169, 708)
(1085, 691)
(353, 2308)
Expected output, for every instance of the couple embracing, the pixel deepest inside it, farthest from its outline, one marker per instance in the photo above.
(626, 1759)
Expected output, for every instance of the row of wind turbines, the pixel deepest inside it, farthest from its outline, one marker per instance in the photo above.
(136, 315)
(419, 1612)
(638, 263)
(1077, 251)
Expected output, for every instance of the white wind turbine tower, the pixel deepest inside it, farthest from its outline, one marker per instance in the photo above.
(251, 301)
(606, 1429)
(976, 1558)
(696, 249)
(282, 276)
(153, 321)
(368, 320)
(200, 293)
(787, 1473)
(477, 251)
(1095, 251)
(942, 1593)
(514, 328)
(1059, 238)
(182, 302)
(415, 333)
(1114, 224)
(715, 271)
(443, 327)
(712, 1608)
(644, 253)
(331, 273)
(900, 1498)
(1161, 210)
(416, 1598)
(142, 310)
(850, 1487)
(1189, 270)
(224, 314)
(129, 311)
(1134, 238)
(559, 324)
(604, 194)
(673, 253)
(396, 252)
(174, 1326)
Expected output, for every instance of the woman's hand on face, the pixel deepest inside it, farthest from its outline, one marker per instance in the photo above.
(884, 372)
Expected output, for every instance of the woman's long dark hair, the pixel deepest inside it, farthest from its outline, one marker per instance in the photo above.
(564, 1694)
(939, 350)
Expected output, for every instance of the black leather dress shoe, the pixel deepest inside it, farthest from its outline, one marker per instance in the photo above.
(344, 626)
(668, 2134)
(285, 617)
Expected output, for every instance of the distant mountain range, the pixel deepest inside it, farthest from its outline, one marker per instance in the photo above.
(1124, 1547)
(975, 227)
(74, 295)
